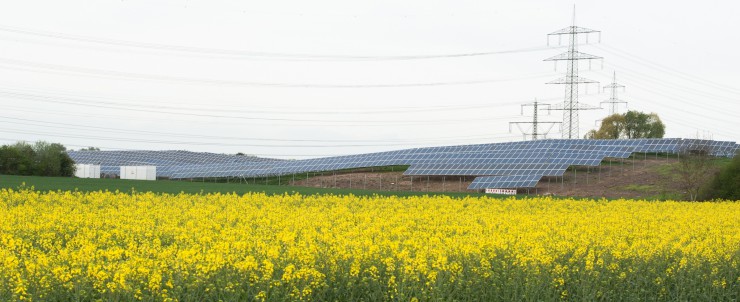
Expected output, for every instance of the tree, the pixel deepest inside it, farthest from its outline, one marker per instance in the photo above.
(26, 158)
(632, 124)
(52, 160)
(10, 160)
(642, 125)
(726, 183)
(612, 127)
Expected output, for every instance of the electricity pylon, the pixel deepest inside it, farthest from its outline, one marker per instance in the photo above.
(535, 123)
(571, 80)
(614, 101)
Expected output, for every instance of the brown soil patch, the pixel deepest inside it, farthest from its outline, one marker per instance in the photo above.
(388, 181)
(622, 178)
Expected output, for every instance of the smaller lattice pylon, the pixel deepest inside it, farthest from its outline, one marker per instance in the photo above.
(535, 133)
(614, 101)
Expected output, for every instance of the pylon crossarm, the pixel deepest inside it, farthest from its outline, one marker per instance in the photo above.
(573, 55)
(577, 106)
(573, 30)
(572, 80)
(613, 101)
(613, 86)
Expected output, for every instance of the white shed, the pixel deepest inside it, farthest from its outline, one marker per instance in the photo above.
(87, 171)
(139, 172)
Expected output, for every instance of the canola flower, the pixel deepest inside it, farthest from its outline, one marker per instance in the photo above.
(226, 247)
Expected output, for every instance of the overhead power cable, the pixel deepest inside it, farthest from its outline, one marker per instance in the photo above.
(110, 130)
(679, 109)
(247, 54)
(70, 101)
(695, 126)
(653, 89)
(191, 143)
(179, 107)
(52, 113)
(264, 155)
(668, 70)
(674, 86)
(103, 73)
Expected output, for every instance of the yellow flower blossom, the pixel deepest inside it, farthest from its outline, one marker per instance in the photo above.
(67, 245)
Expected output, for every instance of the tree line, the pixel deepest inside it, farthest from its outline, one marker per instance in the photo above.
(38, 159)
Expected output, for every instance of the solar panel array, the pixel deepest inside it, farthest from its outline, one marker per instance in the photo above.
(166, 161)
(498, 165)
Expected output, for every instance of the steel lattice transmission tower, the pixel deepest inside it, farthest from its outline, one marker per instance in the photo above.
(614, 101)
(571, 80)
(535, 123)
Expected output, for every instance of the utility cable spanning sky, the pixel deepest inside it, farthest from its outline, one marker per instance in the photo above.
(337, 77)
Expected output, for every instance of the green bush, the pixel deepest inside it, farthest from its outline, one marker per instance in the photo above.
(39, 159)
(726, 183)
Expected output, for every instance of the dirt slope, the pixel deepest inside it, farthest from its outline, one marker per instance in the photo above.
(648, 178)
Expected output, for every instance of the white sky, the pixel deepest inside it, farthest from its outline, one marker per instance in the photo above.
(296, 79)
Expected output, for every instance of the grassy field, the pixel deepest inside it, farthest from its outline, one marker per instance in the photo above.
(285, 179)
(174, 187)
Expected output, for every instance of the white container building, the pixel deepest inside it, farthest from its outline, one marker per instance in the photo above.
(87, 171)
(139, 172)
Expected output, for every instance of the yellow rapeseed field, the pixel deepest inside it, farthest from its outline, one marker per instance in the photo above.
(145, 246)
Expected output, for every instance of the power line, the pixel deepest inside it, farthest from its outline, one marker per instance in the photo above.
(97, 129)
(154, 104)
(666, 69)
(690, 112)
(247, 54)
(654, 89)
(271, 155)
(674, 86)
(70, 101)
(191, 143)
(238, 123)
(103, 73)
(693, 113)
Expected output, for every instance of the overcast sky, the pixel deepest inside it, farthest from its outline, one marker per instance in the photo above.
(297, 79)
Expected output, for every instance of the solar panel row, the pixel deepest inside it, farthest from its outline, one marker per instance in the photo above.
(527, 158)
(166, 161)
